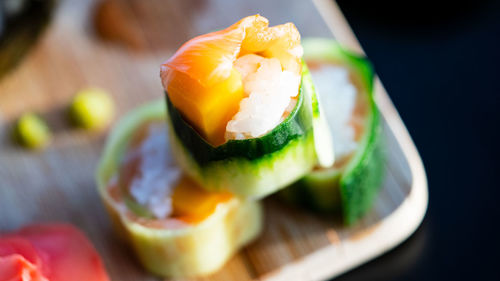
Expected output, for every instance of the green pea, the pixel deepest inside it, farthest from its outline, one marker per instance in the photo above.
(92, 109)
(32, 131)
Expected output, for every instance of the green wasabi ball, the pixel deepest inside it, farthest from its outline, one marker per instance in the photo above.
(92, 109)
(32, 131)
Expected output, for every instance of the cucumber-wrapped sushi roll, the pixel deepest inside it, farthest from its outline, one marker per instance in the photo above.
(344, 82)
(175, 227)
(242, 107)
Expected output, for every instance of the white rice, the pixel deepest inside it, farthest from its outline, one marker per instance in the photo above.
(269, 92)
(153, 185)
(338, 99)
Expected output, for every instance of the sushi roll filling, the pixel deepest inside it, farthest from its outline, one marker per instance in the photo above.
(152, 190)
(344, 106)
(236, 83)
(270, 95)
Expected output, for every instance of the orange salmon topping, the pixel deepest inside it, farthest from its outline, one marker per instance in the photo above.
(202, 82)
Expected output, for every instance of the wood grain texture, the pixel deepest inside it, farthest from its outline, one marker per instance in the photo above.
(58, 184)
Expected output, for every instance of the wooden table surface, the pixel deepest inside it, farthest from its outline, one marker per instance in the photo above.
(57, 184)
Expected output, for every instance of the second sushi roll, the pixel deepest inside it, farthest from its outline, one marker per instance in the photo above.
(242, 110)
(344, 82)
(176, 228)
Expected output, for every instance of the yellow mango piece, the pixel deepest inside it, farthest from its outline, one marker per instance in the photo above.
(192, 203)
(207, 109)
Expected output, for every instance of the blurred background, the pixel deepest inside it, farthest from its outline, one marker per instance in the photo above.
(438, 60)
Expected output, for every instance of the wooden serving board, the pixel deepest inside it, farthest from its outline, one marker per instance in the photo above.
(57, 184)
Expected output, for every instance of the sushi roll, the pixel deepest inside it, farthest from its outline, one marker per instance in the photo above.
(175, 227)
(344, 82)
(242, 110)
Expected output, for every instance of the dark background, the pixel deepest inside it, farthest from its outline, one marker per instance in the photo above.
(440, 63)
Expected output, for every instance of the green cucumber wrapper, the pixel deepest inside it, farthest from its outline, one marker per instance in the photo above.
(251, 168)
(352, 189)
(193, 250)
